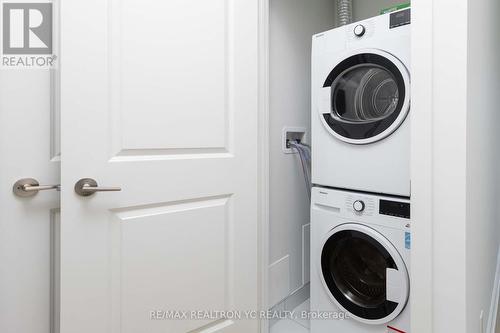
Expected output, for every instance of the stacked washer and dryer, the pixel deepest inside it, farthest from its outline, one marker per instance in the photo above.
(360, 219)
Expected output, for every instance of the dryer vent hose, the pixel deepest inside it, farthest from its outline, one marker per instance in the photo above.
(305, 160)
(344, 11)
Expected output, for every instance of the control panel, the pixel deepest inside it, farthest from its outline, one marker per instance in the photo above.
(400, 18)
(394, 208)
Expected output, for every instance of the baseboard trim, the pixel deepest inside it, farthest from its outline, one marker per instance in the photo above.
(495, 298)
(279, 281)
(296, 298)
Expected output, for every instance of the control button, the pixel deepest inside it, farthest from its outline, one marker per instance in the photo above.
(359, 30)
(358, 206)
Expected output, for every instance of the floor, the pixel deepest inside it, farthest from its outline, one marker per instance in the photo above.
(302, 326)
(296, 325)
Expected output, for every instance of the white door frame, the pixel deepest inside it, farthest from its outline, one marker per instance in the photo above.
(422, 151)
(421, 162)
(264, 160)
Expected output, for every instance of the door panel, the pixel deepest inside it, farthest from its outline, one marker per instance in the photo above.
(174, 67)
(159, 98)
(28, 226)
(187, 264)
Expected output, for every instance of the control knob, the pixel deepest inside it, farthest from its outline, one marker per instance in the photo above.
(359, 30)
(358, 206)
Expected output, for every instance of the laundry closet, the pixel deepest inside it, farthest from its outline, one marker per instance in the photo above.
(291, 27)
(153, 179)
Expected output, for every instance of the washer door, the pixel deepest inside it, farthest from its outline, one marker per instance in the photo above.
(366, 97)
(364, 274)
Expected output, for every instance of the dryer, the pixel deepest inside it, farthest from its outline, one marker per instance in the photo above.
(360, 105)
(360, 262)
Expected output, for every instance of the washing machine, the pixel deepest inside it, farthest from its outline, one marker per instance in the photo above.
(360, 262)
(360, 105)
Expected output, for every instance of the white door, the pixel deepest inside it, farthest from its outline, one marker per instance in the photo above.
(159, 98)
(28, 225)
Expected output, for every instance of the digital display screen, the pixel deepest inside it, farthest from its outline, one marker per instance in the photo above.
(394, 208)
(400, 18)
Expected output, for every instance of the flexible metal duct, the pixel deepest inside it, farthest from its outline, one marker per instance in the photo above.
(344, 11)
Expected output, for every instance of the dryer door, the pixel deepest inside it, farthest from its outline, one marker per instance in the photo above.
(365, 97)
(364, 274)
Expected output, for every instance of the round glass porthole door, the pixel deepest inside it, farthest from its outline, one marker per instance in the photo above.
(364, 274)
(368, 97)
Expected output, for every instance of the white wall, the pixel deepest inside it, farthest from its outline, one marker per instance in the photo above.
(455, 193)
(450, 153)
(483, 156)
(292, 24)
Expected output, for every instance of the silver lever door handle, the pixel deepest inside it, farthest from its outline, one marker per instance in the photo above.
(29, 187)
(86, 187)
